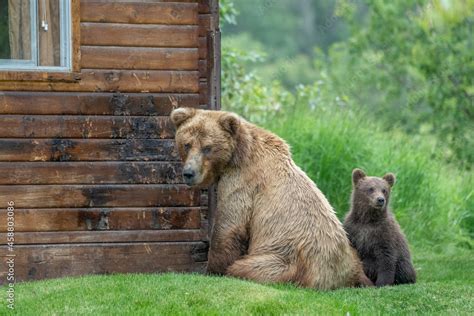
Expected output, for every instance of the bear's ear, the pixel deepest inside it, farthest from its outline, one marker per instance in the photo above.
(230, 122)
(357, 174)
(181, 115)
(390, 178)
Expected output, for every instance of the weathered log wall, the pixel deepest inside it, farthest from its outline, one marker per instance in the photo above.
(89, 158)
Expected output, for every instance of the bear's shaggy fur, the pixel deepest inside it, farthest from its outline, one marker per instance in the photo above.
(375, 233)
(272, 223)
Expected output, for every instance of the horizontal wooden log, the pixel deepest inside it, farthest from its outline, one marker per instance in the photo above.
(110, 172)
(94, 80)
(91, 219)
(137, 81)
(73, 126)
(139, 35)
(87, 150)
(82, 103)
(139, 12)
(204, 6)
(129, 236)
(34, 262)
(110, 57)
(39, 76)
(64, 196)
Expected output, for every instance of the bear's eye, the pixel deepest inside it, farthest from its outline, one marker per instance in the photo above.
(187, 147)
(384, 191)
(371, 190)
(206, 150)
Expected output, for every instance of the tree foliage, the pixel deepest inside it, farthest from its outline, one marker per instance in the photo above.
(396, 94)
(412, 65)
(408, 63)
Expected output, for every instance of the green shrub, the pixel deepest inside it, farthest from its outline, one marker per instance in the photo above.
(433, 201)
(410, 64)
(340, 121)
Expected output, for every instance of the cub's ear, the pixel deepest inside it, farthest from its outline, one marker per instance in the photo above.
(230, 122)
(357, 174)
(390, 178)
(181, 115)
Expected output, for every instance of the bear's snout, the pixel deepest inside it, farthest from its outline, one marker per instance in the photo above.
(380, 201)
(189, 175)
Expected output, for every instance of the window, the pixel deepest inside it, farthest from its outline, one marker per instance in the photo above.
(35, 35)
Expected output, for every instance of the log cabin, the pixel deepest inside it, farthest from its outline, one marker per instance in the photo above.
(90, 180)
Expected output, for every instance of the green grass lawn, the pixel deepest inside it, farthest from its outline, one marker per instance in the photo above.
(446, 286)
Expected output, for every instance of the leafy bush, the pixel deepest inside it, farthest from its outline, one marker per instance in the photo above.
(339, 122)
(411, 65)
(244, 92)
(432, 201)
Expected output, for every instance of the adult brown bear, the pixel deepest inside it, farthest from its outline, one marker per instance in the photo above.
(272, 223)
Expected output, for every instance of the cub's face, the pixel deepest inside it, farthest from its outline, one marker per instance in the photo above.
(372, 191)
(206, 142)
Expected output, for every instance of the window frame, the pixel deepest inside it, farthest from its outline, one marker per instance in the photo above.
(67, 73)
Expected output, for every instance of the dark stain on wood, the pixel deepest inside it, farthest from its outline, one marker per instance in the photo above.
(172, 220)
(147, 149)
(32, 273)
(199, 251)
(104, 220)
(145, 128)
(92, 220)
(60, 149)
(155, 220)
(122, 104)
(97, 195)
(150, 173)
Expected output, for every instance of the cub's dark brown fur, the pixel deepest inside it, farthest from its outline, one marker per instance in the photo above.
(374, 232)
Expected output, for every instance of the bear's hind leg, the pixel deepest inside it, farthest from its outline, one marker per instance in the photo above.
(405, 272)
(263, 268)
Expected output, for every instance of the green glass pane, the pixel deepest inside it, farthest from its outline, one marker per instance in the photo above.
(15, 30)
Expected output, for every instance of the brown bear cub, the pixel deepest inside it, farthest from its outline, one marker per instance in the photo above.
(374, 232)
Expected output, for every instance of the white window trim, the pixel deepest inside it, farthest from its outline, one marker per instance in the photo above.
(65, 43)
